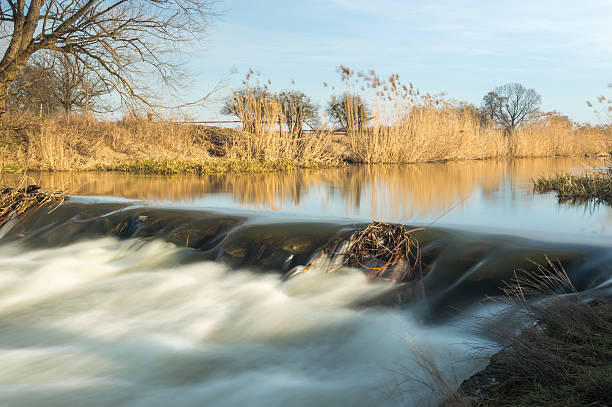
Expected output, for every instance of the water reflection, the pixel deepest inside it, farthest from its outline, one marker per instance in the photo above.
(488, 192)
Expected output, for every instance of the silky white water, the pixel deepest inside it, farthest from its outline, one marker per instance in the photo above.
(122, 323)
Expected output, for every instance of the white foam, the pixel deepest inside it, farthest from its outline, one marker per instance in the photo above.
(121, 323)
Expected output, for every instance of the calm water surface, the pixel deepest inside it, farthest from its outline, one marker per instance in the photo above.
(493, 195)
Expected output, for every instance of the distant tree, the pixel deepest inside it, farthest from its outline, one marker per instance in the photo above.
(252, 106)
(75, 86)
(56, 82)
(296, 109)
(31, 92)
(350, 111)
(511, 106)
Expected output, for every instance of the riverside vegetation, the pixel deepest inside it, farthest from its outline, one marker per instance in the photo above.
(400, 125)
(578, 188)
(563, 355)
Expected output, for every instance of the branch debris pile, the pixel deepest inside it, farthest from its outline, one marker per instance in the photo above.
(17, 201)
(387, 251)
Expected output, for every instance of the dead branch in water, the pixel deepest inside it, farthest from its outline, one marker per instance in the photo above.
(15, 201)
(386, 251)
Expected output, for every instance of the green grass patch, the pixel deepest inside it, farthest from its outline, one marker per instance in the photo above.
(577, 188)
(10, 167)
(166, 166)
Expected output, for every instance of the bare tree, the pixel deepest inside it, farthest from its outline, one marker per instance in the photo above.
(52, 82)
(124, 42)
(511, 106)
(74, 86)
(32, 92)
(297, 108)
(253, 106)
(350, 111)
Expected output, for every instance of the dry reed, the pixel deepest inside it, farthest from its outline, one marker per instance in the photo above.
(405, 126)
(409, 126)
(21, 199)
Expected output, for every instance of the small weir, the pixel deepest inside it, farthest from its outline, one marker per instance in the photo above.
(456, 268)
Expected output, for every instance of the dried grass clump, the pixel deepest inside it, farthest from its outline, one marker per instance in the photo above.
(53, 144)
(549, 280)
(16, 201)
(563, 355)
(387, 251)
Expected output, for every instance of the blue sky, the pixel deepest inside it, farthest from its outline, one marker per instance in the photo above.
(561, 48)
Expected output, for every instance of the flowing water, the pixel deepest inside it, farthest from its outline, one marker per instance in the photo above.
(156, 291)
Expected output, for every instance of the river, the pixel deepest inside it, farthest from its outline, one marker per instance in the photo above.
(174, 290)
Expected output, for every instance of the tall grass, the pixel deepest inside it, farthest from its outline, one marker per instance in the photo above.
(404, 126)
(264, 137)
(409, 126)
(421, 134)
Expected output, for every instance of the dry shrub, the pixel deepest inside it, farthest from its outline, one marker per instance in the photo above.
(18, 200)
(267, 136)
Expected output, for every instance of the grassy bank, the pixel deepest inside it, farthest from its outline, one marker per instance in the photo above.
(578, 188)
(151, 147)
(401, 136)
(563, 360)
(562, 355)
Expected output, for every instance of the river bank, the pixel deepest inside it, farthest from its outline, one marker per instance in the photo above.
(564, 359)
(141, 146)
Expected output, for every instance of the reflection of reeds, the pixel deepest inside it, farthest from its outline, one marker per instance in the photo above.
(396, 192)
